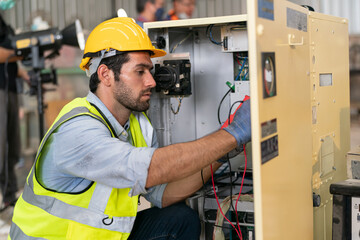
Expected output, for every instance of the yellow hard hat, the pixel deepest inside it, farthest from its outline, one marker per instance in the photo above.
(121, 34)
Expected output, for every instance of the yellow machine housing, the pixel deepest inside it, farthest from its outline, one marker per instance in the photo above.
(298, 75)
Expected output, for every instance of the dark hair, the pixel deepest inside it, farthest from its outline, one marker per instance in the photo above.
(140, 5)
(113, 63)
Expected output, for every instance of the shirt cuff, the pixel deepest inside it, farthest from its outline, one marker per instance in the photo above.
(155, 194)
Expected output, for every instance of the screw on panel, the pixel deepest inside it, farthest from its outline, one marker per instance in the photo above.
(334, 168)
(260, 29)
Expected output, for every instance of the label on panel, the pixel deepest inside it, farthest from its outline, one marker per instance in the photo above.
(296, 20)
(268, 128)
(266, 9)
(325, 79)
(269, 149)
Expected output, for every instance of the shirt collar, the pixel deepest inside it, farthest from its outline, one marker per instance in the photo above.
(120, 131)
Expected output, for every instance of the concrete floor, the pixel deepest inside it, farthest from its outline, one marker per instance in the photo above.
(24, 167)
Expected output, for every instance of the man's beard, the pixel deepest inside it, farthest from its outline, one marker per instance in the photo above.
(125, 96)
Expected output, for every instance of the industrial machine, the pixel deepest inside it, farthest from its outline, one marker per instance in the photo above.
(346, 209)
(294, 65)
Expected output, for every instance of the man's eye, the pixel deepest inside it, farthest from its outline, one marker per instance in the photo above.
(141, 72)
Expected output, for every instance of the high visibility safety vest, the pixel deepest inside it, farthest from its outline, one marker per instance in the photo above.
(171, 15)
(98, 212)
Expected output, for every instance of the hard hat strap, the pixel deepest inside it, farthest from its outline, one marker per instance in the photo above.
(95, 61)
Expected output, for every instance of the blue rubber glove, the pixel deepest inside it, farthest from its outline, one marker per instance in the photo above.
(240, 127)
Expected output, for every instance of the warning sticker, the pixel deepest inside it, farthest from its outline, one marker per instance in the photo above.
(268, 128)
(269, 149)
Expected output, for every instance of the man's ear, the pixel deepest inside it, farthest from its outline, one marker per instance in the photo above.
(105, 75)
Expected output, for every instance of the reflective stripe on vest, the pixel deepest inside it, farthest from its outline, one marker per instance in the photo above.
(100, 212)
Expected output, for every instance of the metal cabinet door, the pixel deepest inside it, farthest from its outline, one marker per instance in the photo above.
(281, 119)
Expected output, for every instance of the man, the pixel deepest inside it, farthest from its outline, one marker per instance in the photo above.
(182, 9)
(101, 153)
(190, 10)
(9, 112)
(149, 11)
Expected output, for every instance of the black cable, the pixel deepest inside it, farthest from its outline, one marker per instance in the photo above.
(231, 193)
(202, 178)
(209, 35)
(219, 107)
(203, 205)
(231, 110)
(227, 156)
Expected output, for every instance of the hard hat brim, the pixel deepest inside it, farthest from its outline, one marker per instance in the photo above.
(155, 53)
(158, 53)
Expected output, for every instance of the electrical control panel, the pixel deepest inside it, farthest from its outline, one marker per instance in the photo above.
(234, 38)
(219, 80)
(173, 77)
(275, 55)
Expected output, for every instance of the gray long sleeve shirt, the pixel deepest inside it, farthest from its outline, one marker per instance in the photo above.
(81, 151)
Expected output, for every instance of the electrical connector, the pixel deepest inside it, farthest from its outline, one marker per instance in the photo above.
(231, 86)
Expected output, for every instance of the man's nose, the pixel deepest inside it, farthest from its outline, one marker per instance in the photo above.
(150, 81)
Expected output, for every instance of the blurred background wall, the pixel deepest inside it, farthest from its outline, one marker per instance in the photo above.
(92, 12)
(72, 82)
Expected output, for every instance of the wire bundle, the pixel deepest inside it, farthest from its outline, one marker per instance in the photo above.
(237, 229)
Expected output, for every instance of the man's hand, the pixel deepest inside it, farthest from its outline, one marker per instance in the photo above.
(240, 127)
